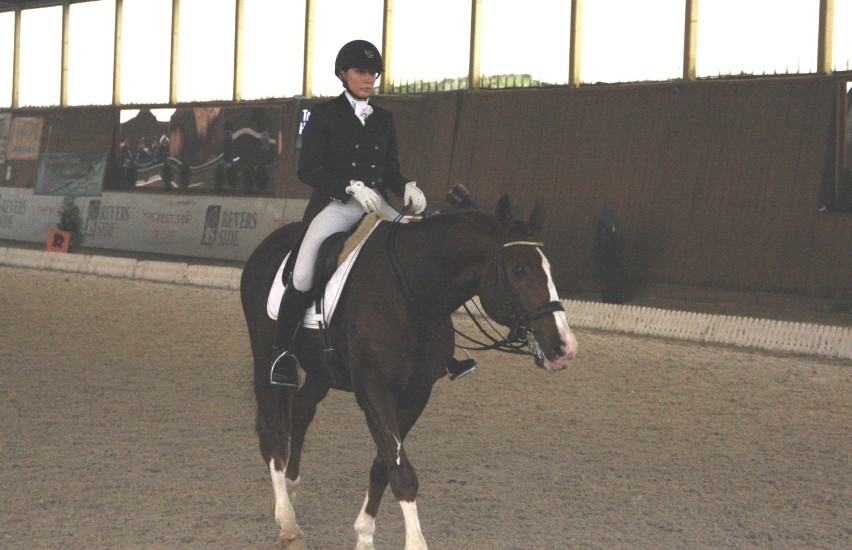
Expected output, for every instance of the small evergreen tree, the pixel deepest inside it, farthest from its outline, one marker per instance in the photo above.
(71, 221)
(610, 256)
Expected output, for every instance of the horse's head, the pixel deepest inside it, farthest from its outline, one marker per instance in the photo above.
(518, 290)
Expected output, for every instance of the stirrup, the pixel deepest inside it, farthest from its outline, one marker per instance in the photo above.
(285, 370)
(457, 369)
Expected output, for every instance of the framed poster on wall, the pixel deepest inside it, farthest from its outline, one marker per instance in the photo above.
(25, 138)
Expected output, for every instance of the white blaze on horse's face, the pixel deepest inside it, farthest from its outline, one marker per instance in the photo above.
(560, 357)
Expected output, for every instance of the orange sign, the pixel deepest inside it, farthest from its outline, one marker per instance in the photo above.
(58, 240)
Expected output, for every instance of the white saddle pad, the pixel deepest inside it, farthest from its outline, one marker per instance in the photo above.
(333, 289)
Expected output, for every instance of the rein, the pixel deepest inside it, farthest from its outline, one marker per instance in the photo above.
(520, 332)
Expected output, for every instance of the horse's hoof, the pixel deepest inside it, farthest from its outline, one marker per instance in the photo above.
(293, 541)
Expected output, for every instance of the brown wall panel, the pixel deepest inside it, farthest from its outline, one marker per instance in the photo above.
(716, 183)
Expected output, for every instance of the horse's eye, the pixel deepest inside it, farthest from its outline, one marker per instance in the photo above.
(519, 270)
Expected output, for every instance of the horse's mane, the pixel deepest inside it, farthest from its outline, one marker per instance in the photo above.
(460, 220)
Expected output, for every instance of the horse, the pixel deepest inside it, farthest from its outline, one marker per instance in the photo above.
(392, 331)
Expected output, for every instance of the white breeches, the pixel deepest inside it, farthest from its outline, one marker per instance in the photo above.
(335, 217)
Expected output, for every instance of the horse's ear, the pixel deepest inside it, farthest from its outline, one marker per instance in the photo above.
(536, 223)
(503, 213)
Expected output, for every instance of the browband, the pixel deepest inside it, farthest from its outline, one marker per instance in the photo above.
(527, 243)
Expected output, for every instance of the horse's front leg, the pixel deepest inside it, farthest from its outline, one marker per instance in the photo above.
(273, 429)
(304, 410)
(389, 428)
(365, 523)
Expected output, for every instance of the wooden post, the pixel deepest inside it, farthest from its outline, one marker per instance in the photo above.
(575, 47)
(173, 73)
(16, 60)
(826, 36)
(690, 40)
(387, 48)
(116, 47)
(475, 33)
(63, 78)
(308, 68)
(238, 50)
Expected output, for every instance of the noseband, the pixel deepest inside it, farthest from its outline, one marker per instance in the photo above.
(520, 320)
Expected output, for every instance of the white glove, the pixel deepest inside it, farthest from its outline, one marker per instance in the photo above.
(415, 197)
(369, 199)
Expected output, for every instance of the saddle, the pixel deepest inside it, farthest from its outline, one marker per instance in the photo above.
(335, 258)
(337, 247)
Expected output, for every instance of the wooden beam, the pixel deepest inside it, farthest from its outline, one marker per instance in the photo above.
(116, 48)
(690, 40)
(473, 75)
(576, 42)
(308, 68)
(173, 70)
(238, 49)
(16, 61)
(387, 48)
(826, 36)
(63, 78)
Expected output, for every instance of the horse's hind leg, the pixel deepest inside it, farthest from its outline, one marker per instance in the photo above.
(273, 427)
(392, 468)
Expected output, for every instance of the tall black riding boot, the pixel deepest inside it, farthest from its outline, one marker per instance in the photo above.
(284, 370)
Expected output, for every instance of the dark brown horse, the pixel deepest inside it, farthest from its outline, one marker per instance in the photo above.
(393, 333)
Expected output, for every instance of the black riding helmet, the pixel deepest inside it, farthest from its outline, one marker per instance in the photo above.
(358, 54)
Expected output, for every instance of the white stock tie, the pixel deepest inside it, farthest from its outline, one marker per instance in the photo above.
(362, 111)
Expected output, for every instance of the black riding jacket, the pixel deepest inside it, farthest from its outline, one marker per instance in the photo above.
(336, 148)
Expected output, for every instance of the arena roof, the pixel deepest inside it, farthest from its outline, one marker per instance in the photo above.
(10, 5)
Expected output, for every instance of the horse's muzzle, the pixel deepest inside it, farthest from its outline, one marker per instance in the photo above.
(560, 355)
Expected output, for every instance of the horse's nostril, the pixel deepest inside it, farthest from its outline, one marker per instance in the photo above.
(559, 350)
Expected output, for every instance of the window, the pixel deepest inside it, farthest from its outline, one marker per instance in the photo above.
(336, 23)
(91, 40)
(757, 37)
(842, 47)
(7, 53)
(441, 60)
(524, 45)
(273, 48)
(625, 41)
(41, 57)
(146, 42)
(206, 50)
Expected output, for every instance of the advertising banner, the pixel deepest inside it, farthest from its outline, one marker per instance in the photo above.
(25, 138)
(79, 174)
(227, 228)
(5, 125)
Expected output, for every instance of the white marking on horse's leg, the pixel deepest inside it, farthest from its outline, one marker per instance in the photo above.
(285, 514)
(413, 536)
(398, 449)
(291, 485)
(365, 527)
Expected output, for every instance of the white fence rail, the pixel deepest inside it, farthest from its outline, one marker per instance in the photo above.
(829, 341)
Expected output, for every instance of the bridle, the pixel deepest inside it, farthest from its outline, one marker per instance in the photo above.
(520, 331)
(520, 320)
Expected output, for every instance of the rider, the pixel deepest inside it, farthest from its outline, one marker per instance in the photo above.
(349, 151)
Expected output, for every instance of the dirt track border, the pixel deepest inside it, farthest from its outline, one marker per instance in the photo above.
(834, 342)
